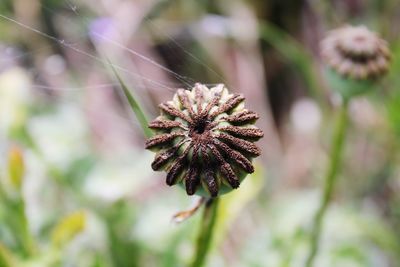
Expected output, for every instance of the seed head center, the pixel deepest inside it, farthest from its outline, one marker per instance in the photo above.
(199, 128)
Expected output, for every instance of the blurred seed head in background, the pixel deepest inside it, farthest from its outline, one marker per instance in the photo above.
(356, 52)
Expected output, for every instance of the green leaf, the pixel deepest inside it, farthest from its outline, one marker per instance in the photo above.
(133, 103)
(294, 52)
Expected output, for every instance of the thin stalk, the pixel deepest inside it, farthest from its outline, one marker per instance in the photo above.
(19, 224)
(330, 180)
(206, 232)
(26, 237)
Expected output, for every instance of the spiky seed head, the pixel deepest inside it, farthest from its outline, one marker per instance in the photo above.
(205, 140)
(356, 52)
(356, 59)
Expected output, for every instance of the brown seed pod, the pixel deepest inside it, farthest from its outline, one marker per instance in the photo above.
(205, 140)
(355, 52)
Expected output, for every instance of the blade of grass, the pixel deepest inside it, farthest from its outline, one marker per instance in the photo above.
(295, 53)
(133, 103)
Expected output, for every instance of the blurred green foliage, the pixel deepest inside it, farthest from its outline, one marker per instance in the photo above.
(76, 186)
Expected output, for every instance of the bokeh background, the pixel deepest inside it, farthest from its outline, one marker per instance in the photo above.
(76, 184)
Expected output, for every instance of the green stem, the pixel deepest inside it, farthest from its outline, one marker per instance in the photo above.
(26, 237)
(206, 232)
(18, 222)
(330, 179)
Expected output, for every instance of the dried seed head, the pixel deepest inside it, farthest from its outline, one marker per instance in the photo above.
(356, 52)
(205, 140)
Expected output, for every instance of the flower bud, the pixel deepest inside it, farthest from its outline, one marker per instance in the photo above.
(16, 166)
(69, 227)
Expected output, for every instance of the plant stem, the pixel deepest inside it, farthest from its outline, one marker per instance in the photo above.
(330, 179)
(26, 237)
(206, 232)
(18, 222)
